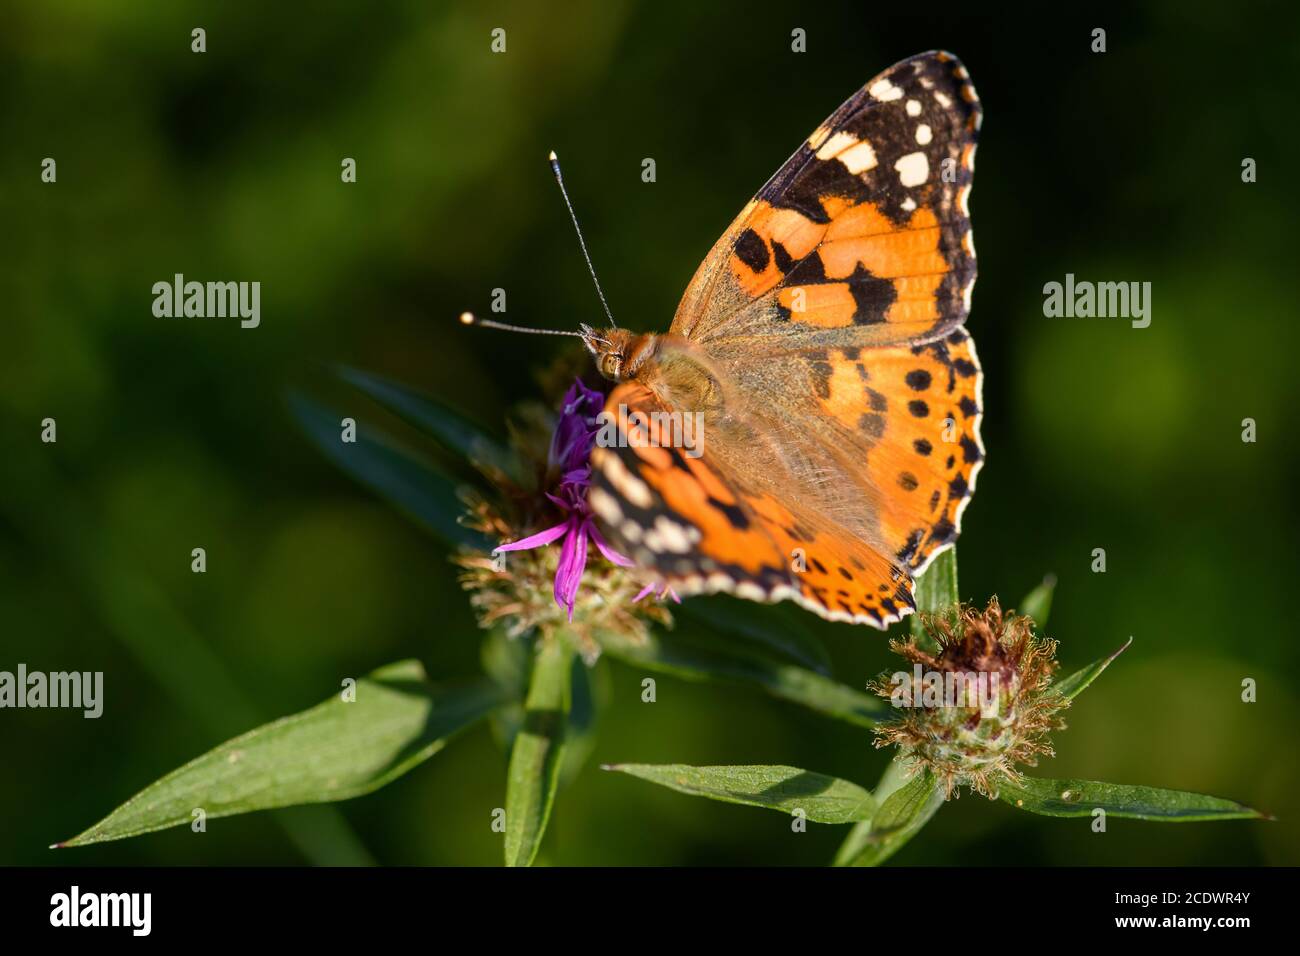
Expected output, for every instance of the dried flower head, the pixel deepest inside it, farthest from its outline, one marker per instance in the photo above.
(980, 706)
(525, 584)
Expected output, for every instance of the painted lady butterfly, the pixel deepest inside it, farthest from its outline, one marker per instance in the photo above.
(822, 340)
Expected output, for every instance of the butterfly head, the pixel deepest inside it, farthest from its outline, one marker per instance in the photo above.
(618, 353)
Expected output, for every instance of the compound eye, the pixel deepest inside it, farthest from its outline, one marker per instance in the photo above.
(610, 365)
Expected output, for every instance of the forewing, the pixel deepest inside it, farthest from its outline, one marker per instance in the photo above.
(863, 236)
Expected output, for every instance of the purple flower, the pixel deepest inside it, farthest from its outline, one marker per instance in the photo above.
(571, 444)
(575, 432)
(659, 590)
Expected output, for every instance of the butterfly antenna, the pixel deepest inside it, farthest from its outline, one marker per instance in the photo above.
(469, 318)
(559, 179)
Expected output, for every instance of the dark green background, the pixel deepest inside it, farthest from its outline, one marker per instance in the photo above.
(173, 433)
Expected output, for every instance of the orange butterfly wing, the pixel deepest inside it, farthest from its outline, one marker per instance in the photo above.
(830, 314)
(863, 236)
(703, 529)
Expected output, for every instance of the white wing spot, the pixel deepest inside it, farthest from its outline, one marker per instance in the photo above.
(913, 107)
(627, 484)
(924, 135)
(858, 158)
(908, 204)
(668, 535)
(885, 91)
(836, 144)
(913, 169)
(603, 503)
(944, 99)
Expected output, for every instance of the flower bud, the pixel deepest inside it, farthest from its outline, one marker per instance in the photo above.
(977, 708)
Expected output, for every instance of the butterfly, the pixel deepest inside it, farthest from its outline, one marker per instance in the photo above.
(820, 346)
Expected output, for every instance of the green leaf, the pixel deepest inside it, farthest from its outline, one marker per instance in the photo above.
(1037, 604)
(506, 660)
(333, 751)
(1072, 686)
(449, 428)
(767, 626)
(901, 816)
(590, 692)
(1079, 798)
(143, 615)
(670, 654)
(855, 842)
(893, 778)
(393, 471)
(936, 592)
(823, 799)
(536, 756)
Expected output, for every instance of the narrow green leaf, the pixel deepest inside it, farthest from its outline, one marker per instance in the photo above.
(394, 472)
(1072, 686)
(769, 627)
(143, 615)
(449, 428)
(590, 690)
(670, 654)
(936, 592)
(890, 781)
(900, 817)
(823, 799)
(1080, 798)
(1037, 604)
(854, 843)
(538, 751)
(506, 660)
(333, 751)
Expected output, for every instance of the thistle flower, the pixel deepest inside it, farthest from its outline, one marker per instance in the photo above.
(571, 444)
(979, 707)
(512, 591)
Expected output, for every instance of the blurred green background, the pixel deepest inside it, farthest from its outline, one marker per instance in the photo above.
(173, 434)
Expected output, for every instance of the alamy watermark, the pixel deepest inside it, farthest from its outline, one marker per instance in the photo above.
(79, 690)
(934, 689)
(208, 300)
(1102, 300)
(130, 910)
(637, 429)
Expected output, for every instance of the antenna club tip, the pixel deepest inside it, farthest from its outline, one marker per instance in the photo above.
(552, 157)
(467, 318)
